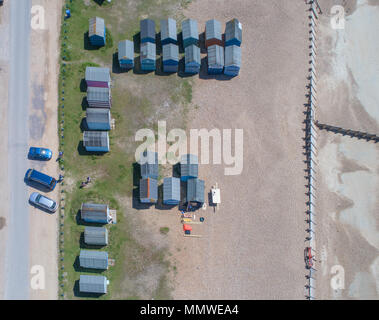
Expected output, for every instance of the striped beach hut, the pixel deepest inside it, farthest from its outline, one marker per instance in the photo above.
(170, 57)
(97, 31)
(96, 141)
(98, 119)
(98, 97)
(98, 77)
(147, 27)
(171, 191)
(94, 212)
(93, 284)
(215, 59)
(192, 59)
(232, 60)
(148, 56)
(189, 167)
(148, 190)
(97, 236)
(93, 259)
(126, 54)
(168, 31)
(190, 32)
(149, 164)
(233, 33)
(213, 34)
(195, 191)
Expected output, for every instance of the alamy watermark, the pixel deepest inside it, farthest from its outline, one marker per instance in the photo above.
(37, 281)
(337, 20)
(225, 150)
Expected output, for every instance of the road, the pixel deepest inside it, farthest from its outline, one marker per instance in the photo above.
(17, 252)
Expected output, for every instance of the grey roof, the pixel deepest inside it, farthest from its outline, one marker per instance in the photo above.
(233, 29)
(168, 29)
(94, 284)
(170, 52)
(189, 165)
(98, 115)
(93, 259)
(189, 29)
(98, 94)
(94, 211)
(215, 56)
(213, 30)
(192, 54)
(149, 164)
(95, 139)
(148, 189)
(96, 27)
(148, 51)
(195, 190)
(126, 50)
(97, 74)
(171, 189)
(233, 56)
(96, 235)
(147, 29)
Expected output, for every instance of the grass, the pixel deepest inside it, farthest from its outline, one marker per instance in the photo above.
(139, 101)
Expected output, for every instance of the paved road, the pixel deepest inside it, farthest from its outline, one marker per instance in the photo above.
(17, 252)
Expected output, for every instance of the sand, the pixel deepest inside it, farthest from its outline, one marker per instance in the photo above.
(348, 168)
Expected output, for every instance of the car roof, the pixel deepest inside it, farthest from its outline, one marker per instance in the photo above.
(46, 201)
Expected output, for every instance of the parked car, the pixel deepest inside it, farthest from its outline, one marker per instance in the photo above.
(39, 153)
(41, 178)
(43, 202)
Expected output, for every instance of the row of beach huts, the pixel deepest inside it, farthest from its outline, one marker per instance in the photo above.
(223, 51)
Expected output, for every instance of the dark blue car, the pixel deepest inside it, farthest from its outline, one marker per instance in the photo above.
(39, 154)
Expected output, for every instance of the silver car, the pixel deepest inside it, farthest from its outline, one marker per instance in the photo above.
(43, 202)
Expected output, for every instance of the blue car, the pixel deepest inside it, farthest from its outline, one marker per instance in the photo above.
(39, 154)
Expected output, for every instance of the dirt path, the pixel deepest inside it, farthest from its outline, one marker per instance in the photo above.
(253, 246)
(43, 132)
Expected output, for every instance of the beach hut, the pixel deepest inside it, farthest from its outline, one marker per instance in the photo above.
(168, 31)
(190, 32)
(97, 236)
(126, 54)
(170, 57)
(232, 60)
(215, 59)
(147, 27)
(189, 167)
(98, 97)
(149, 164)
(98, 77)
(233, 33)
(97, 31)
(171, 191)
(213, 33)
(93, 284)
(98, 119)
(95, 212)
(195, 191)
(192, 59)
(96, 141)
(93, 259)
(148, 190)
(148, 56)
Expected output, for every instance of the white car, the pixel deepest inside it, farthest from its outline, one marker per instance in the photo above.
(43, 202)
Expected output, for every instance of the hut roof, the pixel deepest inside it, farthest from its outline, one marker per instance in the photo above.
(97, 74)
(94, 284)
(148, 50)
(189, 29)
(192, 54)
(96, 235)
(215, 55)
(195, 190)
(147, 27)
(171, 189)
(95, 138)
(98, 94)
(125, 49)
(98, 115)
(170, 52)
(233, 30)
(93, 259)
(233, 56)
(213, 30)
(96, 27)
(168, 29)
(148, 189)
(189, 165)
(149, 164)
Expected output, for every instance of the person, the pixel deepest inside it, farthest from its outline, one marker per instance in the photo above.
(60, 179)
(83, 184)
(60, 155)
(88, 180)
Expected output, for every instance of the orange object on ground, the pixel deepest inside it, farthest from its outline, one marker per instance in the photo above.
(186, 227)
